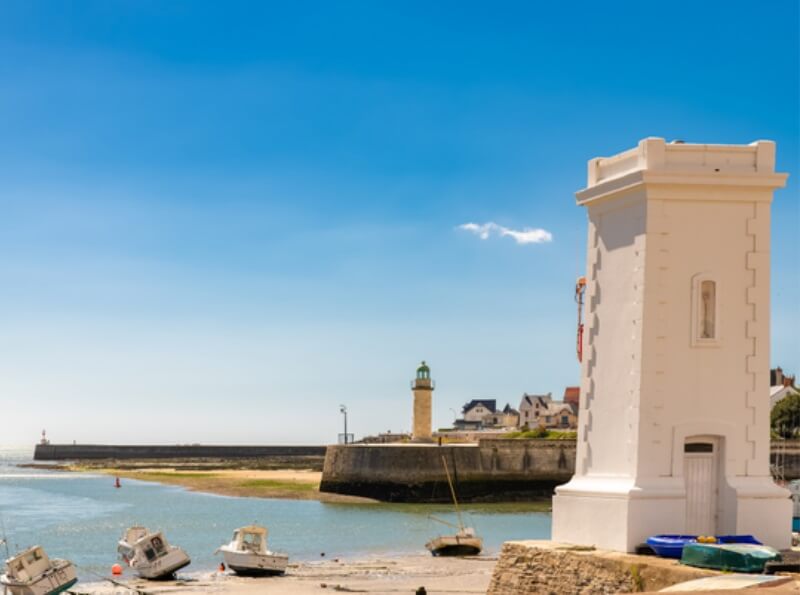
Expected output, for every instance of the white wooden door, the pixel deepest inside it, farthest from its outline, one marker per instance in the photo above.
(702, 487)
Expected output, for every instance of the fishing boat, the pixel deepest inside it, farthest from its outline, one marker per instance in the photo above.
(150, 555)
(32, 572)
(247, 553)
(465, 542)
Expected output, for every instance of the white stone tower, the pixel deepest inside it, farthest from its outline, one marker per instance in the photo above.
(422, 388)
(674, 415)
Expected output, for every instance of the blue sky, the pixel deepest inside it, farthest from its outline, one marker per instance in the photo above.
(221, 222)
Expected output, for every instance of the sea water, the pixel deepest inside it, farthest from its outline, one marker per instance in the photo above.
(80, 516)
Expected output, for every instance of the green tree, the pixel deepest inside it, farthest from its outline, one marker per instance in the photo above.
(785, 416)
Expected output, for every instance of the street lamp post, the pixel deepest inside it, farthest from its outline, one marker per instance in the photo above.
(343, 410)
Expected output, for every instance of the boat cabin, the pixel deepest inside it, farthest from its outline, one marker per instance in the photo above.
(152, 545)
(28, 565)
(251, 539)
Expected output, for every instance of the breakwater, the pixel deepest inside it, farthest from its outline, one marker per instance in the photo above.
(492, 470)
(71, 452)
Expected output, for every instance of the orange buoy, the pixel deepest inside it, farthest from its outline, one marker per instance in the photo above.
(116, 570)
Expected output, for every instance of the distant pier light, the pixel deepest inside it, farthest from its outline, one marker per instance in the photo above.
(345, 438)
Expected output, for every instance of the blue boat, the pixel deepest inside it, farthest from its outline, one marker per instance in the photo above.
(671, 546)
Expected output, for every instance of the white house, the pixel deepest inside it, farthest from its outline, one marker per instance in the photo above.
(778, 393)
(483, 413)
(781, 386)
(531, 407)
(541, 411)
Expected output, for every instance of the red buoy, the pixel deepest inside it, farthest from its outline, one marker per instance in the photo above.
(116, 570)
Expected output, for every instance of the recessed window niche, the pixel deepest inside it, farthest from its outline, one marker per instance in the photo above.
(705, 311)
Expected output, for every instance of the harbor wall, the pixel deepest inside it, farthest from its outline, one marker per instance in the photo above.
(563, 569)
(492, 470)
(70, 452)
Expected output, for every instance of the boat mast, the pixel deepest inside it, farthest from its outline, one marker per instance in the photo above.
(453, 493)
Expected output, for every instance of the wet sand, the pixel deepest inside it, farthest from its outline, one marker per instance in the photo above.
(383, 575)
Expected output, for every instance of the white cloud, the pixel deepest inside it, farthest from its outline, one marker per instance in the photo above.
(521, 236)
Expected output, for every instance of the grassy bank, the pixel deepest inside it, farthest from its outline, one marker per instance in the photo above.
(290, 484)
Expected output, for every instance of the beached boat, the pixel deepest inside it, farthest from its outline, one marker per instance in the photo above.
(150, 555)
(465, 542)
(671, 546)
(732, 557)
(247, 553)
(32, 572)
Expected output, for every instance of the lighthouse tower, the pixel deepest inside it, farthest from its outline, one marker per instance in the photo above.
(673, 430)
(422, 388)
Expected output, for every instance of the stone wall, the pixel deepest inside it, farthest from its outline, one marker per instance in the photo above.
(548, 568)
(67, 452)
(492, 470)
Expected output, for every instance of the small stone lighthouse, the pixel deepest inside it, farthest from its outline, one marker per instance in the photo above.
(674, 431)
(422, 388)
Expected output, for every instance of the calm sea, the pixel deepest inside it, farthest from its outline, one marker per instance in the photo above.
(81, 517)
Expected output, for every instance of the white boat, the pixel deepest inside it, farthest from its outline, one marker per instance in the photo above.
(465, 542)
(150, 555)
(247, 553)
(32, 572)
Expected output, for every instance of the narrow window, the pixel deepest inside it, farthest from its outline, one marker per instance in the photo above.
(705, 316)
(708, 309)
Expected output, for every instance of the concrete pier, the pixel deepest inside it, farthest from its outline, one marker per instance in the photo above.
(71, 452)
(492, 470)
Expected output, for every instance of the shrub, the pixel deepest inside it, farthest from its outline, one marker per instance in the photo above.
(785, 416)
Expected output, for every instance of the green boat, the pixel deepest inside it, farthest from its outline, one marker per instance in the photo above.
(732, 557)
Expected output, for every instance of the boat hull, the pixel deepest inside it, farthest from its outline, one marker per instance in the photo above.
(163, 568)
(455, 546)
(456, 550)
(735, 557)
(250, 564)
(51, 583)
(671, 546)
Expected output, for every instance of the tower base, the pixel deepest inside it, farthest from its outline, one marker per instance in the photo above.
(616, 514)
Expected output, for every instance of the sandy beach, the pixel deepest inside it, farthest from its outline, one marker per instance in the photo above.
(384, 575)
